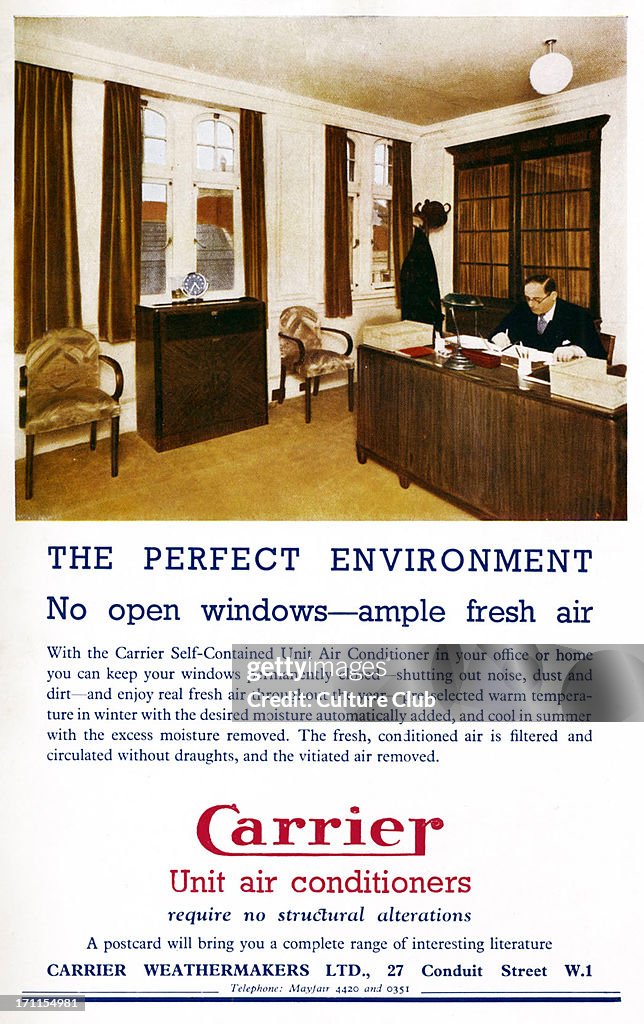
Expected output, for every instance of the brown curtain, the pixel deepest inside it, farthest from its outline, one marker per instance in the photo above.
(253, 203)
(120, 272)
(46, 268)
(402, 213)
(337, 271)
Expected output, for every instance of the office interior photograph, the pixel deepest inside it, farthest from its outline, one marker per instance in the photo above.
(270, 268)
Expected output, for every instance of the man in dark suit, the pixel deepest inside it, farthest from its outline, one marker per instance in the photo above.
(550, 324)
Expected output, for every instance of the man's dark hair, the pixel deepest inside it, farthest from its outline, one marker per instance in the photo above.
(549, 283)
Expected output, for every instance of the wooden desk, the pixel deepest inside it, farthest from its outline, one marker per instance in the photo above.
(475, 437)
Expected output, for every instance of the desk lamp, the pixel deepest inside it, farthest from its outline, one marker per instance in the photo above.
(453, 301)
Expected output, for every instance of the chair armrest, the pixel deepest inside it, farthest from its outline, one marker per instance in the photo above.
(22, 400)
(616, 370)
(118, 374)
(297, 341)
(349, 339)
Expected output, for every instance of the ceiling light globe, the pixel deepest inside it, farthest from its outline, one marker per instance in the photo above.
(550, 73)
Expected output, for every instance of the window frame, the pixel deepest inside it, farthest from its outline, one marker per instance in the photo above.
(167, 183)
(158, 174)
(568, 137)
(382, 192)
(363, 191)
(217, 119)
(183, 180)
(224, 181)
(148, 108)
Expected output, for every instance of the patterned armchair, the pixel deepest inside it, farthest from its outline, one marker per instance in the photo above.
(304, 357)
(60, 388)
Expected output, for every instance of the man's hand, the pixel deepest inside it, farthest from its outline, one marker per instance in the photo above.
(566, 353)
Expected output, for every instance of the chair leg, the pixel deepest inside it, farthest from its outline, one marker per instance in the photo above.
(92, 436)
(29, 466)
(316, 385)
(115, 446)
(350, 387)
(282, 391)
(307, 400)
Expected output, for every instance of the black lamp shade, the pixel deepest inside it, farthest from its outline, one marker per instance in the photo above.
(457, 300)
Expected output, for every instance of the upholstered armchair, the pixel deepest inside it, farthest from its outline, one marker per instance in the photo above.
(304, 357)
(59, 386)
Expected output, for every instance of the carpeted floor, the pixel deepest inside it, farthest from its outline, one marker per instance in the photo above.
(288, 470)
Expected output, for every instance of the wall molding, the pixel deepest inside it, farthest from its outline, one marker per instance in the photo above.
(33, 46)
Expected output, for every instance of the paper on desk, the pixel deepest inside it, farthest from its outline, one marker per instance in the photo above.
(535, 355)
(471, 341)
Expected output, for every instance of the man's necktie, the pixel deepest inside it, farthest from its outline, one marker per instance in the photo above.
(541, 324)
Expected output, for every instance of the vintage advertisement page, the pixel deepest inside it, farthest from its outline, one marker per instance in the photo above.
(274, 765)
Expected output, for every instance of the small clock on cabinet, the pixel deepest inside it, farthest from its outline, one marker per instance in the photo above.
(194, 285)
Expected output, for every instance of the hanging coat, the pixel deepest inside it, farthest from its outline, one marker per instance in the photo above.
(420, 298)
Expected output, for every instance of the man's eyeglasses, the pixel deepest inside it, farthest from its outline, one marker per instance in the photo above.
(532, 301)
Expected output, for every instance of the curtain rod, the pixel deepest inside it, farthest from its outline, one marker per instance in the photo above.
(369, 135)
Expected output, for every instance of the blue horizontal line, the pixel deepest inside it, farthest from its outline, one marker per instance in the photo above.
(358, 999)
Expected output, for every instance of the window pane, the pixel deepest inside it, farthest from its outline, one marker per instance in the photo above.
(224, 136)
(351, 160)
(154, 151)
(215, 238)
(379, 164)
(225, 158)
(154, 238)
(215, 146)
(382, 164)
(206, 133)
(381, 243)
(154, 138)
(154, 193)
(205, 158)
(153, 124)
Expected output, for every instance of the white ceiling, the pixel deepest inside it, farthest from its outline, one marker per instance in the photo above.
(418, 70)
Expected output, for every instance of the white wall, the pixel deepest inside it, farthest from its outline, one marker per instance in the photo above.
(294, 162)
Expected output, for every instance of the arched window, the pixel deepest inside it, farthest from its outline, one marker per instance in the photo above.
(191, 203)
(155, 138)
(369, 181)
(215, 145)
(382, 163)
